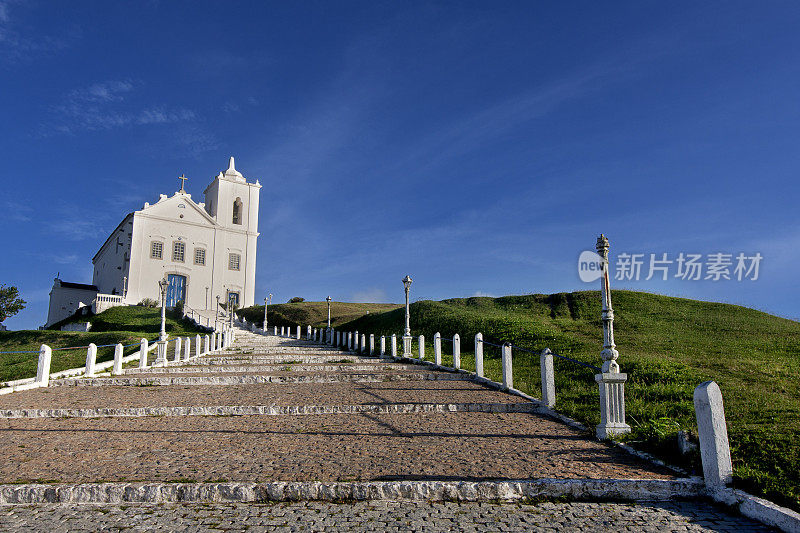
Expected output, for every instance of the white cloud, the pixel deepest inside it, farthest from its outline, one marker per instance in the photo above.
(484, 294)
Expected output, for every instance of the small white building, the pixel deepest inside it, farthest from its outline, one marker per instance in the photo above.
(204, 250)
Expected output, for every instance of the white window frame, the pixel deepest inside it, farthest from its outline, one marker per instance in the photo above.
(175, 253)
(238, 261)
(153, 250)
(199, 250)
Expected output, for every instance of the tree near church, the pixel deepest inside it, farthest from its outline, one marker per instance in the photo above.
(10, 302)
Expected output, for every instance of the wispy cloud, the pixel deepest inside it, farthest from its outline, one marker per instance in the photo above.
(17, 44)
(107, 105)
(16, 211)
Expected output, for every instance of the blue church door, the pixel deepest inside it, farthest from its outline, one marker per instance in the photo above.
(176, 289)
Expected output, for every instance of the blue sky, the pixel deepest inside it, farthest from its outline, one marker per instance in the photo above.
(477, 146)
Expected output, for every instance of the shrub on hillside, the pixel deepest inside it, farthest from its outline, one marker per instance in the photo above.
(148, 302)
(296, 300)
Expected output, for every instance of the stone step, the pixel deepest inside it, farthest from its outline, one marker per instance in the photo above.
(362, 446)
(293, 377)
(244, 368)
(390, 392)
(285, 359)
(270, 410)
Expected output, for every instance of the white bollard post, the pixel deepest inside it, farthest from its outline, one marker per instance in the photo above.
(283, 333)
(308, 332)
(143, 354)
(197, 350)
(178, 343)
(421, 343)
(372, 344)
(206, 344)
(437, 348)
(43, 368)
(187, 348)
(508, 370)
(715, 451)
(383, 345)
(91, 359)
(118, 351)
(298, 332)
(363, 344)
(275, 331)
(456, 351)
(355, 341)
(479, 354)
(394, 345)
(548, 378)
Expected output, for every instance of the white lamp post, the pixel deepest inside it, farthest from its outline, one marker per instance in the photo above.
(216, 314)
(161, 353)
(407, 332)
(328, 299)
(267, 301)
(610, 380)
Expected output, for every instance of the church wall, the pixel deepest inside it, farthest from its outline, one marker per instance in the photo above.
(148, 271)
(111, 264)
(64, 301)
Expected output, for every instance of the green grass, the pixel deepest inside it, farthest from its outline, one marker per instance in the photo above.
(127, 325)
(667, 346)
(312, 313)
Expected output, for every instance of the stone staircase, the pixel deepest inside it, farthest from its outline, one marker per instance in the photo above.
(271, 411)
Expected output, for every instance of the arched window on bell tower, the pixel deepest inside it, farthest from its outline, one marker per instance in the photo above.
(237, 211)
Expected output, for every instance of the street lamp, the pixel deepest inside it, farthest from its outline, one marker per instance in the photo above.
(216, 314)
(161, 353)
(407, 333)
(267, 301)
(328, 299)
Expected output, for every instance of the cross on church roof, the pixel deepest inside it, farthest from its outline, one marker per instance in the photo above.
(183, 179)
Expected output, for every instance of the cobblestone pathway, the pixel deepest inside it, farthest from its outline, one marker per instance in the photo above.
(411, 430)
(79, 447)
(377, 516)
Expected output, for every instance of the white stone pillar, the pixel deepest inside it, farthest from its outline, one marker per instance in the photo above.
(372, 344)
(612, 404)
(143, 353)
(187, 348)
(118, 352)
(363, 344)
(350, 341)
(178, 348)
(383, 345)
(275, 330)
(43, 368)
(197, 350)
(711, 428)
(421, 345)
(456, 351)
(437, 348)
(394, 345)
(161, 352)
(407, 346)
(91, 359)
(308, 332)
(355, 341)
(508, 368)
(282, 331)
(479, 354)
(298, 332)
(548, 378)
(206, 344)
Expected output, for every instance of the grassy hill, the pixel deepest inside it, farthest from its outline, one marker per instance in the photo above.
(667, 346)
(127, 325)
(313, 313)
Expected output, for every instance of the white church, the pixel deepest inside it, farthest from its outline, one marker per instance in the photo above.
(204, 250)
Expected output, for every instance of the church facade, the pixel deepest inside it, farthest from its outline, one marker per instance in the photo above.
(204, 250)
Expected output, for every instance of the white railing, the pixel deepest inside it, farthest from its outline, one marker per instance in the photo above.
(106, 301)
